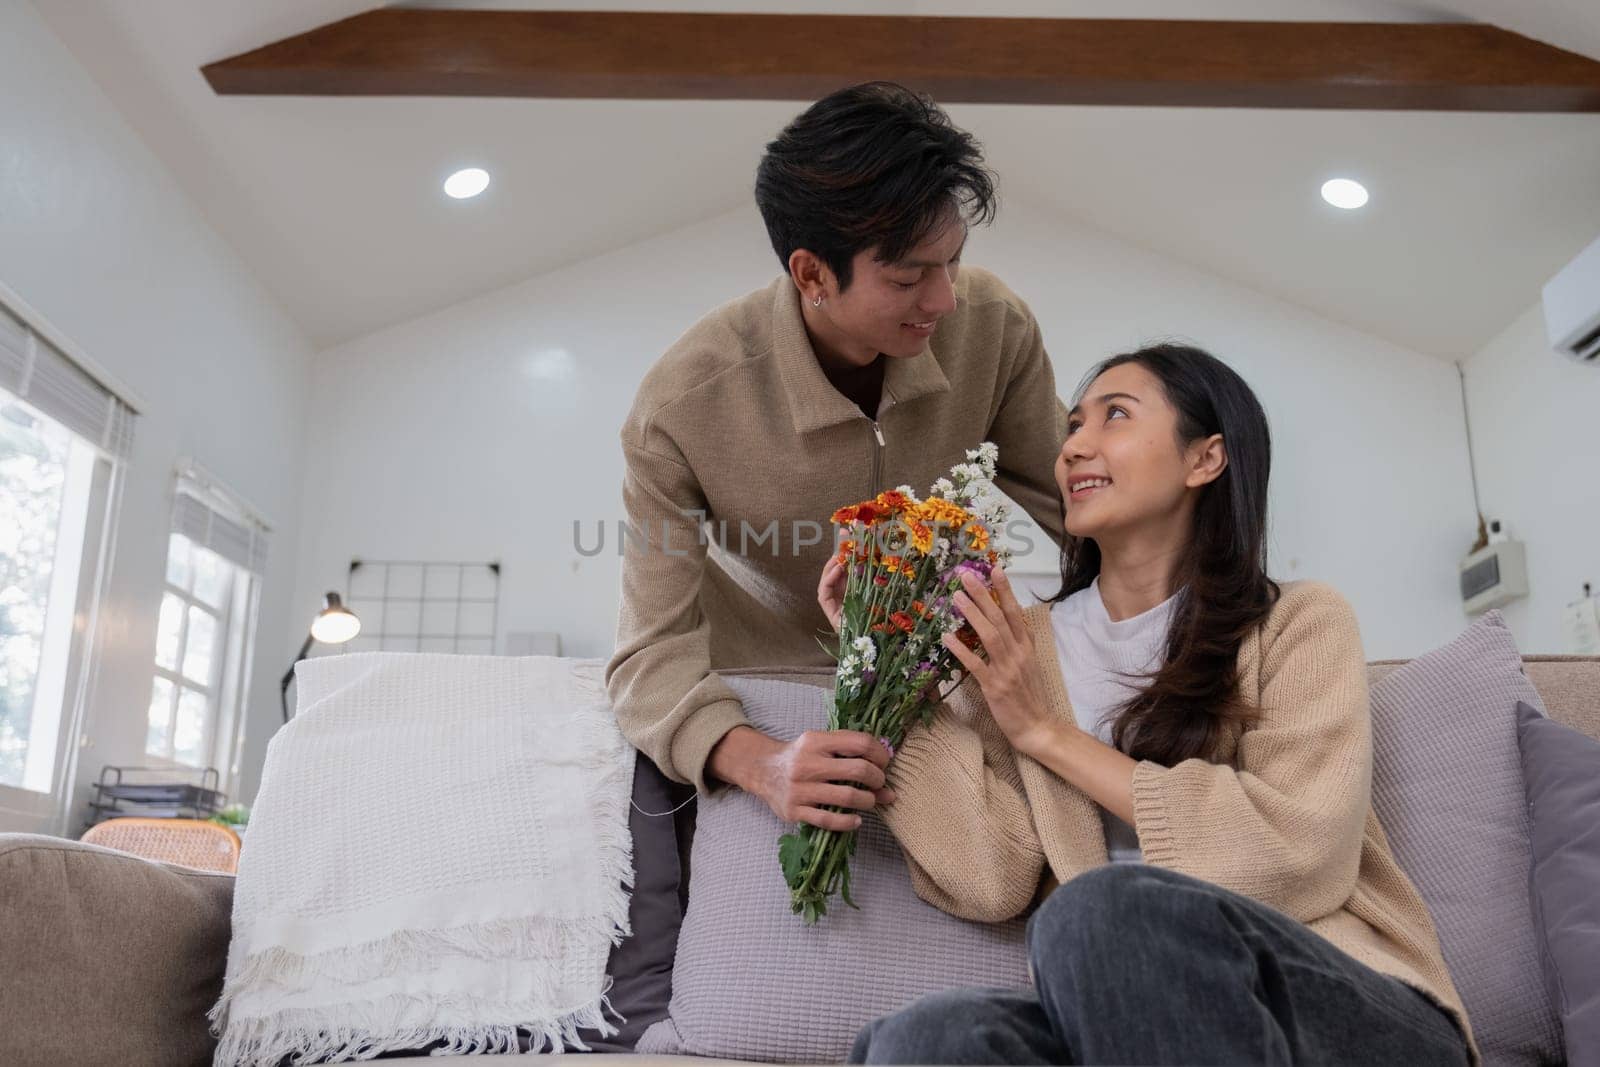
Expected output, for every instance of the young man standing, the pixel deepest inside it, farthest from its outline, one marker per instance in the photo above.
(873, 361)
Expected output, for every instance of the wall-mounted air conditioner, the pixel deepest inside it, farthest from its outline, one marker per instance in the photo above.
(1572, 307)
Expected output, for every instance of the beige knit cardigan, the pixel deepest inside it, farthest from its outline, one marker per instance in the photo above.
(1282, 815)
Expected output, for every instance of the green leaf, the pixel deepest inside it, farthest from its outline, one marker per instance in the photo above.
(792, 857)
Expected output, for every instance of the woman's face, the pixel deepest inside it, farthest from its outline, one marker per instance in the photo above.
(1122, 467)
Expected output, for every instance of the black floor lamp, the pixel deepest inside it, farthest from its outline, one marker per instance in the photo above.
(334, 625)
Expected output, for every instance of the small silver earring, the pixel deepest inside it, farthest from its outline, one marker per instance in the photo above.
(817, 302)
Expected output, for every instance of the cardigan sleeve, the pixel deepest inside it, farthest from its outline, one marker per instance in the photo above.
(962, 820)
(1284, 823)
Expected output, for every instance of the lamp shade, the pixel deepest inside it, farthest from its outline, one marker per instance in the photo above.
(335, 624)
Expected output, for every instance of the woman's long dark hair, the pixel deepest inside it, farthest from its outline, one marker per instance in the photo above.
(1222, 586)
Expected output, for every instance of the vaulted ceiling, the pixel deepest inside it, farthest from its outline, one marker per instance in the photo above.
(334, 202)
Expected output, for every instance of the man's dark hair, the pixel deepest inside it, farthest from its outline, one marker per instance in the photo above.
(874, 166)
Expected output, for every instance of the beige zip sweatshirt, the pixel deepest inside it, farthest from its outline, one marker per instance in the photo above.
(737, 422)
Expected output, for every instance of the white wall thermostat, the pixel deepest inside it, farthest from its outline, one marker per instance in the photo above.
(1493, 575)
(1583, 623)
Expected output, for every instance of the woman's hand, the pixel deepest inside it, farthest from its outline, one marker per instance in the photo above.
(830, 592)
(1009, 679)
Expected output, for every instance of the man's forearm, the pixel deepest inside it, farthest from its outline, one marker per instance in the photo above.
(739, 758)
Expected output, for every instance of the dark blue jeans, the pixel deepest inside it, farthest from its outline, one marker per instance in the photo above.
(1134, 964)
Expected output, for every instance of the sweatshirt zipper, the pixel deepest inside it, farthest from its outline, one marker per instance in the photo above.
(877, 453)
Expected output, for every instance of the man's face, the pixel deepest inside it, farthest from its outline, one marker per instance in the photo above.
(894, 308)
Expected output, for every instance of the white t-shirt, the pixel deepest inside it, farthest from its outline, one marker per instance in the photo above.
(1104, 664)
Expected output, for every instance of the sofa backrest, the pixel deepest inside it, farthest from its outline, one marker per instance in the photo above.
(1568, 685)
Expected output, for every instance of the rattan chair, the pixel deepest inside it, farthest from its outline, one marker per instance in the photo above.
(187, 842)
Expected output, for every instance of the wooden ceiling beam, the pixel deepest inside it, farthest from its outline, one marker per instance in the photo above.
(397, 51)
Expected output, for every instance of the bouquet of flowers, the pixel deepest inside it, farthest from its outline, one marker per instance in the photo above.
(904, 560)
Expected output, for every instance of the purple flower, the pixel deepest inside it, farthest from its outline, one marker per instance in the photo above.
(979, 568)
(867, 677)
(884, 741)
(976, 568)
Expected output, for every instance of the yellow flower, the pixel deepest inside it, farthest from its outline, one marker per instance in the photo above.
(943, 513)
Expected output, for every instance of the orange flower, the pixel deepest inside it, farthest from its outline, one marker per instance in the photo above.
(922, 537)
(893, 502)
(978, 536)
(904, 621)
(845, 516)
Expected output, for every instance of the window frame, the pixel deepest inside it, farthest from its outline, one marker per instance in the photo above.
(214, 688)
(238, 622)
(52, 813)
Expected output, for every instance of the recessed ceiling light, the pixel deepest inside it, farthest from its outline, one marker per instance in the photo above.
(1345, 193)
(466, 183)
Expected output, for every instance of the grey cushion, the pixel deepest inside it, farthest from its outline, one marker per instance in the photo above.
(1447, 787)
(641, 966)
(752, 982)
(106, 957)
(1561, 769)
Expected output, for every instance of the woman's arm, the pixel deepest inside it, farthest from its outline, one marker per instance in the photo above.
(1009, 676)
(962, 818)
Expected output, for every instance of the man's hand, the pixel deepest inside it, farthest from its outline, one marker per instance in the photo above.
(830, 592)
(800, 778)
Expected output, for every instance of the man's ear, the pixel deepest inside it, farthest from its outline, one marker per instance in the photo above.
(1208, 458)
(811, 276)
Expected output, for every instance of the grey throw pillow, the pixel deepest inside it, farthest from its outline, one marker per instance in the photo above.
(752, 982)
(1561, 768)
(1447, 787)
(641, 966)
(107, 957)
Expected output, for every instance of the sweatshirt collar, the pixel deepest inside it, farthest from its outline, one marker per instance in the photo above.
(813, 401)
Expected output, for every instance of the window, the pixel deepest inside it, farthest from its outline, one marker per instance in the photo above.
(216, 553)
(64, 439)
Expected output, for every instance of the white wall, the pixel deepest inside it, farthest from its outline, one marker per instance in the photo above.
(96, 237)
(483, 431)
(1536, 438)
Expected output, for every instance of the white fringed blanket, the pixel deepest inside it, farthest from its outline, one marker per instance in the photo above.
(439, 850)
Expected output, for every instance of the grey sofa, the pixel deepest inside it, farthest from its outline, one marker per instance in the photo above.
(106, 958)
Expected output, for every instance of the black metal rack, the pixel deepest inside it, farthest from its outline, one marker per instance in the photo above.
(155, 793)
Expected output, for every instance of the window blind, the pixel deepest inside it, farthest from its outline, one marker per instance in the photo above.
(206, 514)
(35, 370)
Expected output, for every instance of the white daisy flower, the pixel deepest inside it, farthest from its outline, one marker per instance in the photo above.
(868, 650)
(986, 456)
(966, 472)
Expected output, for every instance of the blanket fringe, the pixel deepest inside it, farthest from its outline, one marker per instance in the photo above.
(368, 1029)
